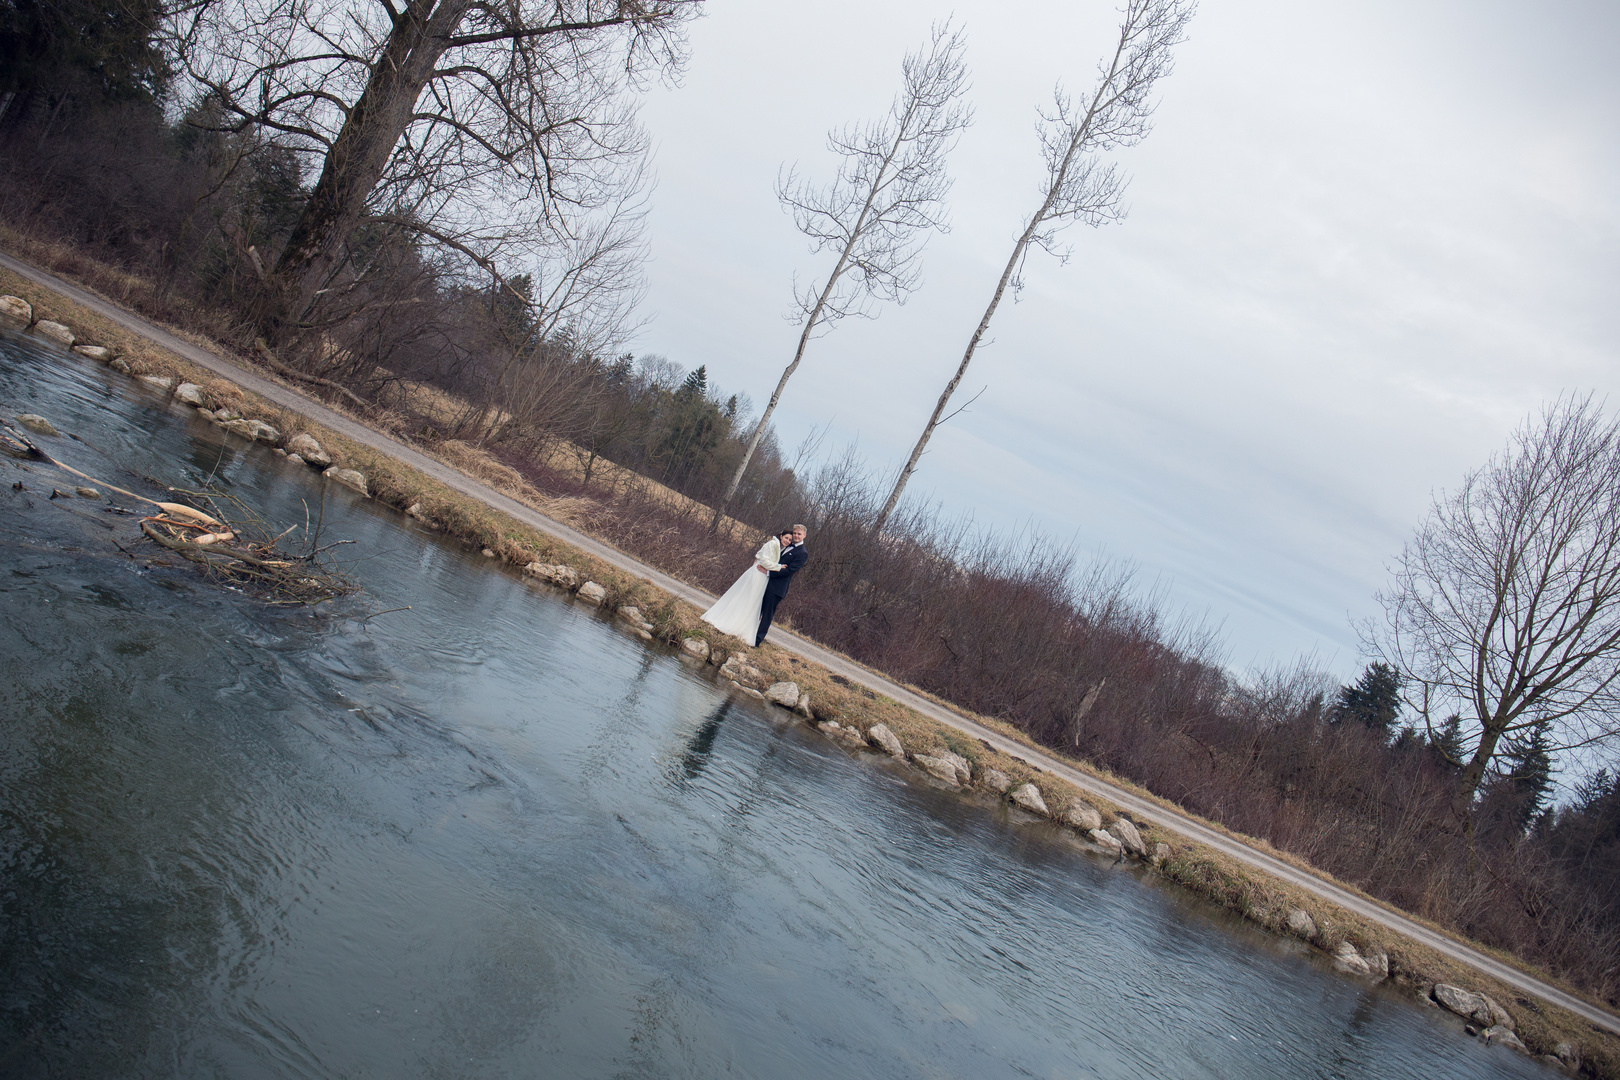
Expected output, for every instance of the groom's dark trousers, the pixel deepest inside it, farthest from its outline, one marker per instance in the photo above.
(793, 560)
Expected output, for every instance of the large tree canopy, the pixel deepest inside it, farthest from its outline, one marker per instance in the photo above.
(495, 129)
(1505, 607)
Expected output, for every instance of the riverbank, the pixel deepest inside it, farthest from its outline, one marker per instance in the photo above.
(846, 702)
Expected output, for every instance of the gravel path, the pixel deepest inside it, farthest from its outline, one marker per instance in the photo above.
(1170, 820)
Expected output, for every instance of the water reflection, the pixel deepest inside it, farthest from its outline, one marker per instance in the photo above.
(701, 745)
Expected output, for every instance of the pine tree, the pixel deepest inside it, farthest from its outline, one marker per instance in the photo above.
(1527, 766)
(1449, 743)
(1374, 701)
(696, 384)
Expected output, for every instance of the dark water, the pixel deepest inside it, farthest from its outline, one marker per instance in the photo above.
(493, 836)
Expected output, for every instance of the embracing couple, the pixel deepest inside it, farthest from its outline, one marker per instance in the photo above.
(747, 608)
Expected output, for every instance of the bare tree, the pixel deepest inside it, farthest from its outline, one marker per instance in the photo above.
(1078, 186)
(490, 128)
(1506, 604)
(877, 212)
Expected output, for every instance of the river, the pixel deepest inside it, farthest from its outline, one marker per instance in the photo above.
(496, 836)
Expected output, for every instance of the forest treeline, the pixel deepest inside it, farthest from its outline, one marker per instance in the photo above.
(106, 173)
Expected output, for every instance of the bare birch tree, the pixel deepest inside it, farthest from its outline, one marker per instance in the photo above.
(1079, 185)
(878, 210)
(1505, 607)
(487, 128)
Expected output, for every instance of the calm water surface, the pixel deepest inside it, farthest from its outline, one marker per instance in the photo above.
(495, 837)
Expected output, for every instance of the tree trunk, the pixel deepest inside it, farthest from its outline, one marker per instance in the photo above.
(961, 370)
(724, 503)
(1474, 772)
(359, 155)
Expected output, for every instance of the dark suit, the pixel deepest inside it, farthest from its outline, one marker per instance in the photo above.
(793, 560)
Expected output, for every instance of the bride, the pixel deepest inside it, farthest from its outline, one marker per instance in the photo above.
(737, 612)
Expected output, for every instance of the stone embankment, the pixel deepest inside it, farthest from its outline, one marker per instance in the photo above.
(217, 401)
(849, 714)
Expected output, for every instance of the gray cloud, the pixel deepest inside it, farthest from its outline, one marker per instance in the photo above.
(1365, 240)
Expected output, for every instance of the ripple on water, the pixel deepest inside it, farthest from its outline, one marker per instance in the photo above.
(493, 836)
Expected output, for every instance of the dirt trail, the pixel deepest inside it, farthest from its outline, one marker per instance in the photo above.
(1170, 820)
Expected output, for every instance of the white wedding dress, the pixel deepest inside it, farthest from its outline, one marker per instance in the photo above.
(737, 612)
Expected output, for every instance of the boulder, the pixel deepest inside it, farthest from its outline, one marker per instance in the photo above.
(1124, 831)
(632, 615)
(87, 492)
(55, 331)
(1465, 1003)
(118, 365)
(749, 690)
(15, 311)
(1348, 958)
(785, 694)
(1496, 1033)
(1496, 1015)
(803, 709)
(849, 736)
(94, 352)
(880, 736)
(189, 393)
(1028, 796)
(305, 446)
(695, 646)
(258, 431)
(741, 671)
(281, 453)
(1480, 1008)
(346, 477)
(37, 424)
(1300, 923)
(937, 767)
(996, 780)
(1081, 815)
(557, 574)
(592, 593)
(963, 767)
(1377, 963)
(225, 414)
(487, 553)
(1568, 1055)
(1161, 852)
(852, 737)
(295, 459)
(206, 414)
(164, 383)
(1107, 841)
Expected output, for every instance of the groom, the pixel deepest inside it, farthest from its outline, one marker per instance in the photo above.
(793, 558)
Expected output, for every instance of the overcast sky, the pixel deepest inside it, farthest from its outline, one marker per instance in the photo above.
(1365, 239)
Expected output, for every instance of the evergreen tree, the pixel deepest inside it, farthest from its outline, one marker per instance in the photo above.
(1593, 790)
(696, 384)
(1449, 743)
(1528, 769)
(1374, 701)
(87, 48)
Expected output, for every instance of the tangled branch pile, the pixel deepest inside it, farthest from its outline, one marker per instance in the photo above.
(222, 549)
(221, 542)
